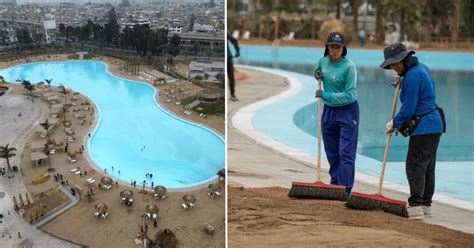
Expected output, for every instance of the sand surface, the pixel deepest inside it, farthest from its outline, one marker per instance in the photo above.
(266, 217)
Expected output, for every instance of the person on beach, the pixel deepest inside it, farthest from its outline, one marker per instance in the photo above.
(420, 118)
(230, 64)
(340, 117)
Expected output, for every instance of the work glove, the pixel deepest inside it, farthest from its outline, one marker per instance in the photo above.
(389, 127)
(319, 93)
(318, 74)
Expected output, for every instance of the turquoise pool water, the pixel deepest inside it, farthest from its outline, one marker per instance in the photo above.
(293, 120)
(178, 153)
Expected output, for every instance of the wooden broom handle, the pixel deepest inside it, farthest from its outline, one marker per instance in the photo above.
(319, 133)
(389, 136)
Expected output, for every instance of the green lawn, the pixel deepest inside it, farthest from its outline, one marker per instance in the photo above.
(73, 56)
(89, 56)
(207, 108)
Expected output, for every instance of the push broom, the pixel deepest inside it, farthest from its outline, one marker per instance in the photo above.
(378, 201)
(318, 189)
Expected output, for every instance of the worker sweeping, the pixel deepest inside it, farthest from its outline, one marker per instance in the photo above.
(420, 118)
(340, 118)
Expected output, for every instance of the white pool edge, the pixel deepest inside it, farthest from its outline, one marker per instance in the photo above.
(242, 121)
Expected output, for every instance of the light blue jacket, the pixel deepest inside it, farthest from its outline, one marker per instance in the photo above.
(339, 81)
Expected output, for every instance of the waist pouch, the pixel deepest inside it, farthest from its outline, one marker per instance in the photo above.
(409, 126)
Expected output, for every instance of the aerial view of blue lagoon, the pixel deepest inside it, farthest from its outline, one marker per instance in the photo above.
(452, 72)
(134, 135)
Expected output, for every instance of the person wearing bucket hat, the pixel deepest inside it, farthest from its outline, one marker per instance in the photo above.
(420, 118)
(340, 117)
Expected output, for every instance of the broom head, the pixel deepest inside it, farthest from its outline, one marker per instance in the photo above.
(377, 202)
(317, 190)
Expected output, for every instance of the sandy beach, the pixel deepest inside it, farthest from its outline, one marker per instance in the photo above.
(123, 223)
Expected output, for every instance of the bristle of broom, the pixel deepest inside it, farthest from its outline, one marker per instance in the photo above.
(376, 202)
(317, 191)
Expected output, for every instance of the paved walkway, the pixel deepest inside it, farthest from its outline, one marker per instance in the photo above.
(15, 130)
(253, 164)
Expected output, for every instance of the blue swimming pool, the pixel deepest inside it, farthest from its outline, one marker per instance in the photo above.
(178, 153)
(293, 121)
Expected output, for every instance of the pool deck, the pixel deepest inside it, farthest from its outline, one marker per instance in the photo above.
(257, 160)
(14, 133)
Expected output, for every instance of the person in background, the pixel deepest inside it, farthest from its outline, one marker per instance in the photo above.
(230, 64)
(362, 35)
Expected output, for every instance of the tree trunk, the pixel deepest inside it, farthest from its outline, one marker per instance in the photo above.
(454, 24)
(429, 22)
(402, 24)
(379, 29)
(355, 20)
(338, 8)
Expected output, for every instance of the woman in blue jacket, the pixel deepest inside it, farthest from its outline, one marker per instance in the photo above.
(421, 119)
(340, 117)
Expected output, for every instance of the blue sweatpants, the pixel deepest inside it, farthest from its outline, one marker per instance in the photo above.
(340, 129)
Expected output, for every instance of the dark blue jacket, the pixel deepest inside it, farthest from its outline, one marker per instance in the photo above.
(418, 97)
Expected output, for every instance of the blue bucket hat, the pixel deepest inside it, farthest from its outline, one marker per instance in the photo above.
(394, 53)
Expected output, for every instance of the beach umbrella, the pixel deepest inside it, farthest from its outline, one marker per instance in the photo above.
(67, 124)
(106, 180)
(126, 193)
(101, 207)
(215, 187)
(71, 153)
(189, 198)
(160, 189)
(152, 208)
(59, 143)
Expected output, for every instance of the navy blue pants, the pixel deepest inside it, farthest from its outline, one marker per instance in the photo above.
(340, 129)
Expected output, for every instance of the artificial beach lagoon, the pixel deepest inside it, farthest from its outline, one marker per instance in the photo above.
(292, 120)
(101, 204)
(135, 136)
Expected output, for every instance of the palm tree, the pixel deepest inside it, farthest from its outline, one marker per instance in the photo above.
(47, 151)
(48, 81)
(6, 153)
(64, 91)
(65, 110)
(46, 125)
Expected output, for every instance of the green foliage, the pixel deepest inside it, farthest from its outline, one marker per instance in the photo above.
(73, 56)
(89, 56)
(188, 100)
(212, 108)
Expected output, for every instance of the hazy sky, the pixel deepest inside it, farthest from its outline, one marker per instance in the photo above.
(97, 1)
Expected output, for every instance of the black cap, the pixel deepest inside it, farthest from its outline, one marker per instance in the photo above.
(338, 39)
(335, 38)
(394, 53)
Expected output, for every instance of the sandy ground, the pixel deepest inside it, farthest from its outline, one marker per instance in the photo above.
(266, 217)
(123, 223)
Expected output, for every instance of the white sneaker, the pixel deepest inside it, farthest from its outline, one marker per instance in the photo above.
(427, 211)
(415, 212)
